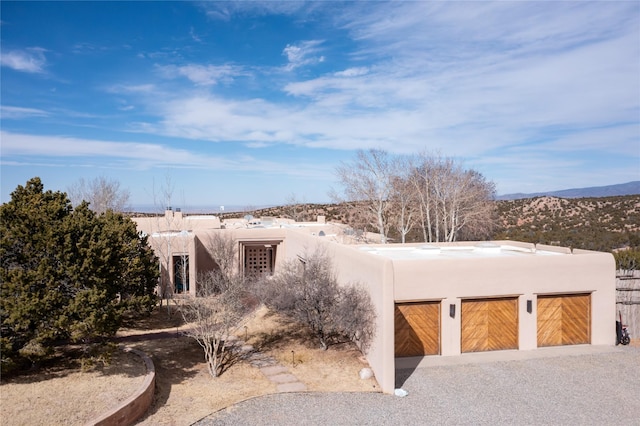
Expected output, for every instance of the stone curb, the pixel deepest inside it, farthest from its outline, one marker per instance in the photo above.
(134, 407)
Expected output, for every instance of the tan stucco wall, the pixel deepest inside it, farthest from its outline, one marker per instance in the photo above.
(376, 275)
(176, 221)
(353, 266)
(451, 280)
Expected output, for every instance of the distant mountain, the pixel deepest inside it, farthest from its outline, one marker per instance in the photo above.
(629, 188)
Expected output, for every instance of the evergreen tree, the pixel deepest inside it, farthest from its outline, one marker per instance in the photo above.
(66, 274)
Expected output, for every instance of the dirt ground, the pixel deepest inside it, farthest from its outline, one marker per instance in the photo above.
(185, 392)
(67, 394)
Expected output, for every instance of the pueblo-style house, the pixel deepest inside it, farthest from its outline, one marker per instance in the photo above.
(441, 300)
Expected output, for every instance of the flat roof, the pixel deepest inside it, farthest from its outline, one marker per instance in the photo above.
(433, 251)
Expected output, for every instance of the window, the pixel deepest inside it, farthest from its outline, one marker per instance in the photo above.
(181, 273)
(259, 259)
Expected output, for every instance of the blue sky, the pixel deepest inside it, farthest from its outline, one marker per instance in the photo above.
(249, 103)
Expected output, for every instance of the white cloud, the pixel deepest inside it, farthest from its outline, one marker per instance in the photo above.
(469, 82)
(31, 149)
(432, 75)
(352, 72)
(16, 144)
(17, 113)
(304, 53)
(204, 75)
(194, 36)
(31, 60)
(133, 88)
(224, 11)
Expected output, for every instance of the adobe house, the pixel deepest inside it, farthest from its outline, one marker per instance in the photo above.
(444, 299)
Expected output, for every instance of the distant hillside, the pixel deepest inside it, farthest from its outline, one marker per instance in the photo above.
(629, 188)
(592, 223)
(597, 223)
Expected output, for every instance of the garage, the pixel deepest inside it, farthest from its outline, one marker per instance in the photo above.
(417, 329)
(564, 319)
(489, 324)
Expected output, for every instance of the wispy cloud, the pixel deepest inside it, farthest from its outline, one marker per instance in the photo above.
(217, 10)
(352, 72)
(303, 53)
(136, 154)
(30, 60)
(17, 113)
(204, 75)
(31, 149)
(194, 36)
(145, 88)
(520, 89)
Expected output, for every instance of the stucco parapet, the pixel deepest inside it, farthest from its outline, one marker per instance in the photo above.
(553, 249)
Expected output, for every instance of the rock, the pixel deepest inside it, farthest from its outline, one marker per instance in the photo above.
(366, 373)
(246, 349)
(401, 393)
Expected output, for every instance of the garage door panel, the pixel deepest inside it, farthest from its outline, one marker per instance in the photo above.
(549, 327)
(475, 326)
(564, 320)
(417, 329)
(503, 325)
(489, 324)
(576, 320)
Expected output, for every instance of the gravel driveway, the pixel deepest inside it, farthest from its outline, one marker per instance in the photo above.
(587, 386)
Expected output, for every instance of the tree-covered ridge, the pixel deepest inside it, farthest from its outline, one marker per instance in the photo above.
(599, 223)
(603, 223)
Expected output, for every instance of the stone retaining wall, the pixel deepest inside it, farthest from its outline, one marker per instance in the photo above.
(134, 407)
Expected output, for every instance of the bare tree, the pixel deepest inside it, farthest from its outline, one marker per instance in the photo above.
(453, 201)
(307, 290)
(296, 209)
(168, 239)
(476, 215)
(367, 182)
(421, 176)
(223, 249)
(403, 198)
(101, 193)
(223, 299)
(214, 316)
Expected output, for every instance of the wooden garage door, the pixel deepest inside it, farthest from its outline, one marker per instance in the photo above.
(564, 320)
(489, 324)
(417, 329)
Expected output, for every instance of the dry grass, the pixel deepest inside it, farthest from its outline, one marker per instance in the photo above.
(67, 395)
(185, 392)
